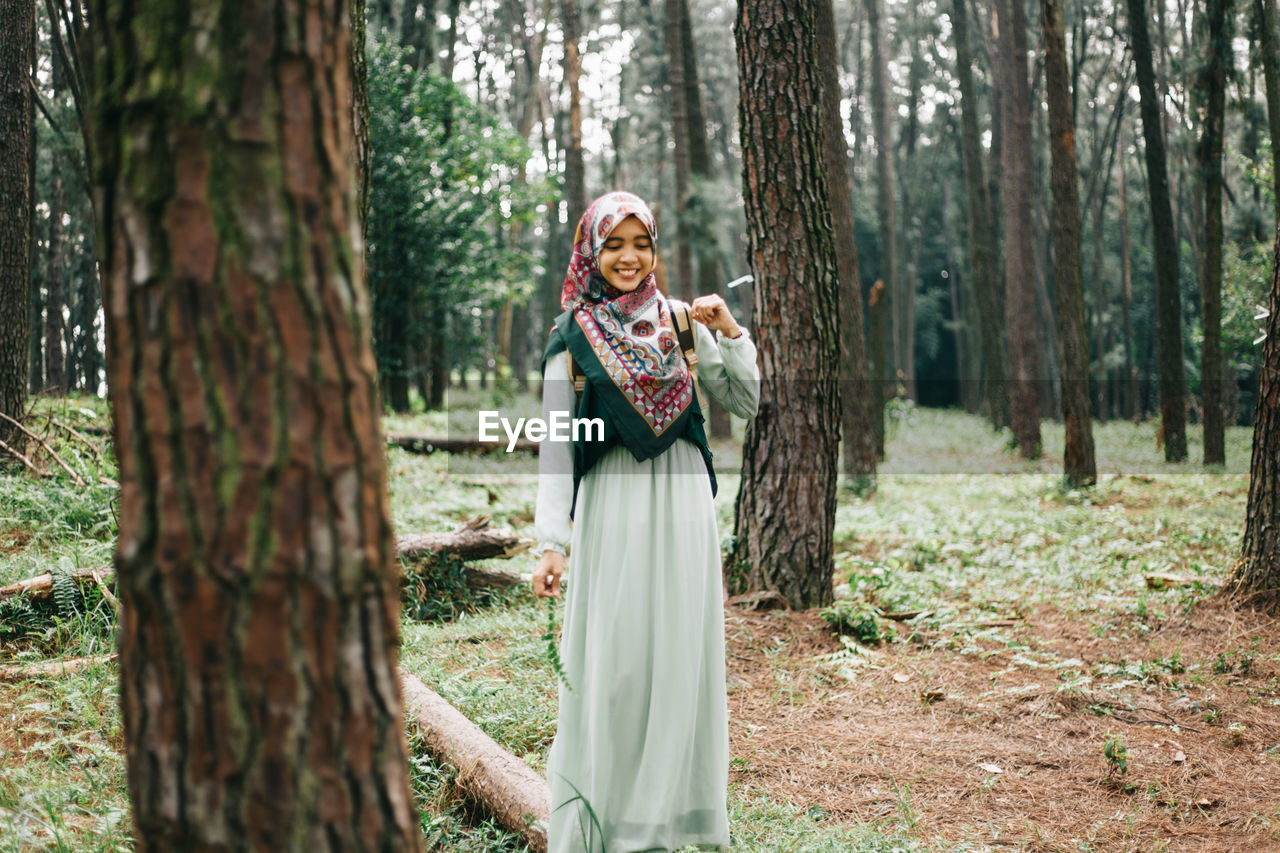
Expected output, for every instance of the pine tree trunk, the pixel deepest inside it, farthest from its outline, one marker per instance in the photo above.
(1078, 459)
(1256, 577)
(1132, 406)
(908, 270)
(1173, 384)
(883, 349)
(982, 239)
(1019, 260)
(855, 392)
(85, 320)
(16, 58)
(700, 172)
(1213, 83)
(786, 503)
(55, 379)
(1266, 12)
(679, 235)
(575, 172)
(254, 561)
(35, 326)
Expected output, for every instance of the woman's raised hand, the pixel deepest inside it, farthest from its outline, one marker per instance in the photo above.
(546, 576)
(712, 312)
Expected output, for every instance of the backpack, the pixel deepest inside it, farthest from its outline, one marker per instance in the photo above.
(686, 335)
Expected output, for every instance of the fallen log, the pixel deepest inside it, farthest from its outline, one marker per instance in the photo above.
(1166, 580)
(511, 791)
(473, 540)
(40, 587)
(429, 444)
(70, 666)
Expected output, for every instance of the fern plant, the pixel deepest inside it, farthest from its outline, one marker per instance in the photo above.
(553, 650)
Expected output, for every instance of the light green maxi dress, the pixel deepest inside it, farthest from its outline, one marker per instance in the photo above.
(643, 735)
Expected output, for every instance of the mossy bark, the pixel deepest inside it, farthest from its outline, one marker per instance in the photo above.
(255, 562)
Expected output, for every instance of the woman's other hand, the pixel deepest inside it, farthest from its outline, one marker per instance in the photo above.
(711, 311)
(546, 577)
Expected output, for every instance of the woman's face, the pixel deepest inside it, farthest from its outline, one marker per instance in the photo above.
(627, 255)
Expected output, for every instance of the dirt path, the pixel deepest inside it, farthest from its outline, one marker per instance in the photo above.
(996, 738)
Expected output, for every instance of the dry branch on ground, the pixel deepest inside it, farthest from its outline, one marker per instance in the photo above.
(511, 791)
(428, 444)
(70, 666)
(473, 540)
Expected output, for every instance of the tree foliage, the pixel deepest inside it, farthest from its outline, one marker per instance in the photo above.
(441, 189)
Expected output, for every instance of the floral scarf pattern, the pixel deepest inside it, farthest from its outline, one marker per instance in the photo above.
(631, 334)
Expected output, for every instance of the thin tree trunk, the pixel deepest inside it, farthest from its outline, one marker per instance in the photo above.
(1173, 384)
(1256, 576)
(575, 175)
(85, 320)
(680, 136)
(35, 326)
(700, 173)
(883, 349)
(55, 378)
(786, 503)
(1267, 47)
(16, 145)
(1078, 459)
(1019, 259)
(855, 398)
(1132, 407)
(908, 271)
(1217, 63)
(982, 239)
(260, 601)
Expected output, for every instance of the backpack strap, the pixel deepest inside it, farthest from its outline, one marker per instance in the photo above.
(577, 374)
(688, 338)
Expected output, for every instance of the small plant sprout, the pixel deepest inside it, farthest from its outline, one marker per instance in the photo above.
(1117, 756)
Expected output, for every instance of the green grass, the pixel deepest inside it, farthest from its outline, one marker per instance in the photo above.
(959, 526)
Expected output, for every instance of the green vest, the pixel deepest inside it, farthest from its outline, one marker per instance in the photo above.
(602, 399)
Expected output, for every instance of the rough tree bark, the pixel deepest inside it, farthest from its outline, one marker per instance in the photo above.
(786, 503)
(254, 561)
(1213, 83)
(1173, 383)
(1255, 578)
(1078, 458)
(16, 57)
(1019, 249)
(982, 239)
(856, 408)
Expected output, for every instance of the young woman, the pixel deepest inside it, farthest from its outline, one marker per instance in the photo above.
(641, 754)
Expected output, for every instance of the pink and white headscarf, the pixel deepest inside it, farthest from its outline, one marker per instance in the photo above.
(631, 333)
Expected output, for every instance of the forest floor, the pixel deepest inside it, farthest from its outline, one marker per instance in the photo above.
(1024, 639)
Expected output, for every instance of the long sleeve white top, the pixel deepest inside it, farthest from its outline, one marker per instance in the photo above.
(727, 372)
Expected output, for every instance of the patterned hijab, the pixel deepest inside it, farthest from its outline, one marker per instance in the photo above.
(631, 334)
